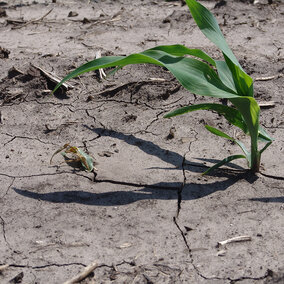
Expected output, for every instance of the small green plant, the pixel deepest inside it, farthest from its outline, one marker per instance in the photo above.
(202, 75)
(77, 155)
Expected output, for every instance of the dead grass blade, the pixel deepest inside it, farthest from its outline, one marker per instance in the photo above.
(85, 273)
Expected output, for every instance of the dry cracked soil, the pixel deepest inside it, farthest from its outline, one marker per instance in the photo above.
(146, 215)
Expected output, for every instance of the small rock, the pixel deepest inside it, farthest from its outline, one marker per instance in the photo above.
(18, 278)
(3, 13)
(220, 4)
(221, 253)
(105, 154)
(4, 53)
(73, 14)
(13, 72)
(86, 21)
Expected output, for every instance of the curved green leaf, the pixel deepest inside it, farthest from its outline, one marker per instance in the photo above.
(210, 28)
(103, 62)
(231, 114)
(225, 74)
(223, 162)
(263, 135)
(218, 132)
(224, 135)
(249, 109)
(265, 147)
(196, 76)
(181, 50)
(242, 81)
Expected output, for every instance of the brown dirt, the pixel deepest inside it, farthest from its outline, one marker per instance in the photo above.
(56, 219)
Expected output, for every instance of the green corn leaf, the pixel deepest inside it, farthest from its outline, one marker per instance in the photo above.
(225, 75)
(265, 147)
(103, 62)
(263, 135)
(218, 132)
(210, 28)
(181, 50)
(196, 76)
(242, 81)
(223, 162)
(231, 114)
(249, 109)
(224, 135)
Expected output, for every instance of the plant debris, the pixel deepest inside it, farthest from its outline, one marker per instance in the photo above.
(234, 240)
(78, 155)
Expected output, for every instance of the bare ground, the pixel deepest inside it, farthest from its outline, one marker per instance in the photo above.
(57, 219)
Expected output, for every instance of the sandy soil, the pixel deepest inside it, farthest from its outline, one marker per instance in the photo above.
(57, 219)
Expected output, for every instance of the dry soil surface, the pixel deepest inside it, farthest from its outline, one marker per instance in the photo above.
(57, 219)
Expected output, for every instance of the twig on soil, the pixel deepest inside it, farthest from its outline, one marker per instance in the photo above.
(267, 104)
(88, 45)
(234, 240)
(3, 267)
(55, 79)
(268, 78)
(102, 74)
(112, 19)
(85, 273)
(23, 24)
(15, 22)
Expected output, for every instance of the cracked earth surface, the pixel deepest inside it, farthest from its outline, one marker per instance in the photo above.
(147, 215)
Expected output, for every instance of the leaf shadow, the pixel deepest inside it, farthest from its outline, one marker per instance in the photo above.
(170, 157)
(278, 199)
(157, 191)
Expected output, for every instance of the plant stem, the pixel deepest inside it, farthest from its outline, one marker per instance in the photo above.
(255, 157)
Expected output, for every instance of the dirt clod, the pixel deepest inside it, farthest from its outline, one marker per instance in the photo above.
(4, 53)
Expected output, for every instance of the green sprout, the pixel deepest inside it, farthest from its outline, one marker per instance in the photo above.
(202, 75)
(77, 155)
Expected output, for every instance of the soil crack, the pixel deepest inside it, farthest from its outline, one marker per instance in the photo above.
(180, 189)
(42, 175)
(47, 265)
(153, 121)
(4, 232)
(23, 137)
(266, 275)
(190, 251)
(95, 119)
(13, 179)
(184, 176)
(135, 184)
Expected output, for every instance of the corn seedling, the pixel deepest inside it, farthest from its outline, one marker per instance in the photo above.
(77, 155)
(202, 75)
